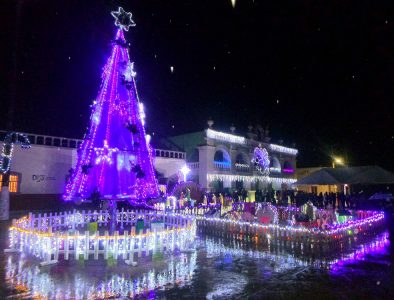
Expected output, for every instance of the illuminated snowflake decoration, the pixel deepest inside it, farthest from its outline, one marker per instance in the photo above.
(129, 73)
(104, 154)
(261, 160)
(123, 19)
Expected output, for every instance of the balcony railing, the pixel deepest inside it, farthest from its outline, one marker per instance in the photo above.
(169, 154)
(193, 165)
(45, 140)
(54, 141)
(222, 165)
(242, 167)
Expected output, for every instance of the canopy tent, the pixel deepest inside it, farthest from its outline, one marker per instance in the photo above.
(367, 175)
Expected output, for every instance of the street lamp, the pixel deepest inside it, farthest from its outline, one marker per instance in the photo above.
(185, 170)
(337, 161)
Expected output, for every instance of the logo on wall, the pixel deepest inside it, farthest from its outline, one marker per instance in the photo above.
(40, 178)
(261, 160)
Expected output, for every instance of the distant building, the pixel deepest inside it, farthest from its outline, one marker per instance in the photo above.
(220, 160)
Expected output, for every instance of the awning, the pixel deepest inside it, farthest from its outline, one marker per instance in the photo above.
(367, 175)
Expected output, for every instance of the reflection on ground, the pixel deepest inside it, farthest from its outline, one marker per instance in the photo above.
(219, 269)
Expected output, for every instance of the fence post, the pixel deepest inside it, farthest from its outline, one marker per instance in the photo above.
(106, 245)
(86, 252)
(96, 245)
(66, 247)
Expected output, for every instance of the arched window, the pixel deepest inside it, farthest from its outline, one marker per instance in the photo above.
(275, 164)
(240, 159)
(222, 159)
(288, 167)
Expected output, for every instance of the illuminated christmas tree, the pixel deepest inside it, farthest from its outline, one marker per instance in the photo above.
(115, 158)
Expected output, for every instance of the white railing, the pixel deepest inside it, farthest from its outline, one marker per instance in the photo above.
(169, 154)
(55, 141)
(193, 165)
(51, 236)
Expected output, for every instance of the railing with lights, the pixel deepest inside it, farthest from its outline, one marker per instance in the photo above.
(51, 236)
(295, 233)
(222, 165)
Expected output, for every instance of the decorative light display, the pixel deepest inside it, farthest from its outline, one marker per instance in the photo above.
(48, 237)
(225, 137)
(11, 139)
(123, 19)
(185, 170)
(117, 119)
(249, 179)
(372, 218)
(281, 149)
(104, 154)
(261, 160)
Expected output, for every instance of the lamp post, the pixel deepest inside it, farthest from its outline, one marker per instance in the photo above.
(185, 170)
(337, 161)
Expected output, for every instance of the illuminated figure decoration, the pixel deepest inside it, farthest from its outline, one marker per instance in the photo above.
(115, 158)
(261, 160)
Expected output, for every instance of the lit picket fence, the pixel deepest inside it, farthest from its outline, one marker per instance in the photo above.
(50, 237)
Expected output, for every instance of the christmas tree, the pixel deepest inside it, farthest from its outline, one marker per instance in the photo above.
(115, 158)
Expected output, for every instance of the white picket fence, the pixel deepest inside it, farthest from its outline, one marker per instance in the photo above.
(55, 235)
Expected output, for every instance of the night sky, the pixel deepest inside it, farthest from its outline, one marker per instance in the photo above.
(319, 73)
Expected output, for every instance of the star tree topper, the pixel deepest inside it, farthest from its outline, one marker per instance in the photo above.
(123, 19)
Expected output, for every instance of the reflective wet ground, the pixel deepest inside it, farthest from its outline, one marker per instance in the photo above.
(218, 269)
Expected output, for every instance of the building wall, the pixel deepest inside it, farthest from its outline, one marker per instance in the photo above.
(169, 167)
(43, 169)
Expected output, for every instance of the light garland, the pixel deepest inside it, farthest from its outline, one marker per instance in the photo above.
(281, 149)
(249, 179)
(225, 137)
(11, 139)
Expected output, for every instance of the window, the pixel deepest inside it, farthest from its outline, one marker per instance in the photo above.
(13, 184)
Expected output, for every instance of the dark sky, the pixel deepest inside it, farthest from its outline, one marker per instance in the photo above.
(318, 73)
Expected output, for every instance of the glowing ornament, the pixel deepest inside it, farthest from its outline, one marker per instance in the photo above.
(123, 19)
(104, 154)
(129, 73)
(261, 160)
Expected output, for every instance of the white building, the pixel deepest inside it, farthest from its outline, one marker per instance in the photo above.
(43, 168)
(220, 160)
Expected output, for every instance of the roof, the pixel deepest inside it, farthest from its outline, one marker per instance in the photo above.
(367, 175)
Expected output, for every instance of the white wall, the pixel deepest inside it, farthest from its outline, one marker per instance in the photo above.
(168, 166)
(43, 168)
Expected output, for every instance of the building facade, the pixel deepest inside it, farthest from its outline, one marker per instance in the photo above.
(220, 160)
(44, 167)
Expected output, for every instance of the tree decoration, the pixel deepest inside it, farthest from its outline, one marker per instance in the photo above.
(86, 168)
(132, 128)
(261, 160)
(104, 154)
(123, 19)
(116, 107)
